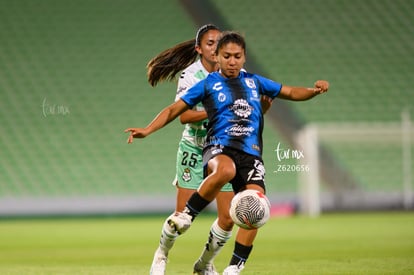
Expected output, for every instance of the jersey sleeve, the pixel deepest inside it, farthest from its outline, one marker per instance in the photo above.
(194, 95)
(184, 83)
(269, 87)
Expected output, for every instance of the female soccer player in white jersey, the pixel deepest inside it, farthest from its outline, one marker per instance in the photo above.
(189, 168)
(233, 148)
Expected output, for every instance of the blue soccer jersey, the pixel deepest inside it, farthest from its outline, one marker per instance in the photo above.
(234, 109)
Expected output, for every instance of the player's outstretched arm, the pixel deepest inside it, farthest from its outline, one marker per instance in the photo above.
(302, 93)
(167, 115)
(192, 116)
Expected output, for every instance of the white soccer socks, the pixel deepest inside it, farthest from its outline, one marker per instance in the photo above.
(216, 240)
(168, 237)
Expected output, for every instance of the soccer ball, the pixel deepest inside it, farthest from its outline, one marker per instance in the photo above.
(250, 209)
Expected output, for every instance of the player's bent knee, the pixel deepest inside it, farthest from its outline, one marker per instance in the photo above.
(226, 173)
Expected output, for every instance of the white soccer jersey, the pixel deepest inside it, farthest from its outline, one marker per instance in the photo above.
(193, 133)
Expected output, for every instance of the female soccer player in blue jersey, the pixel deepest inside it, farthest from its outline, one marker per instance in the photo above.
(195, 59)
(233, 148)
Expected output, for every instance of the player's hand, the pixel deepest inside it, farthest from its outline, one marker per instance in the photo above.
(266, 103)
(135, 133)
(321, 86)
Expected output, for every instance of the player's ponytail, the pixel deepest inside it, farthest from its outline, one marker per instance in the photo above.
(168, 63)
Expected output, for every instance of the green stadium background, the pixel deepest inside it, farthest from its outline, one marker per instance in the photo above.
(73, 77)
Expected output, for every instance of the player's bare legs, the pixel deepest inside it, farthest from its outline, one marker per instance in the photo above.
(221, 171)
(223, 200)
(183, 194)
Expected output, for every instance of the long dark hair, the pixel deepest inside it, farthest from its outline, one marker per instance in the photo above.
(169, 62)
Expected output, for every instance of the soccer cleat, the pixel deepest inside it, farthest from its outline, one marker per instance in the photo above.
(204, 269)
(180, 222)
(233, 269)
(158, 264)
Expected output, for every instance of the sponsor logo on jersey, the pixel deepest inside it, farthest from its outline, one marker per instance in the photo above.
(200, 74)
(242, 108)
(256, 147)
(217, 86)
(255, 94)
(181, 89)
(221, 97)
(237, 130)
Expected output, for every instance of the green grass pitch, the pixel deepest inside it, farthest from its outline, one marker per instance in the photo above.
(359, 243)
